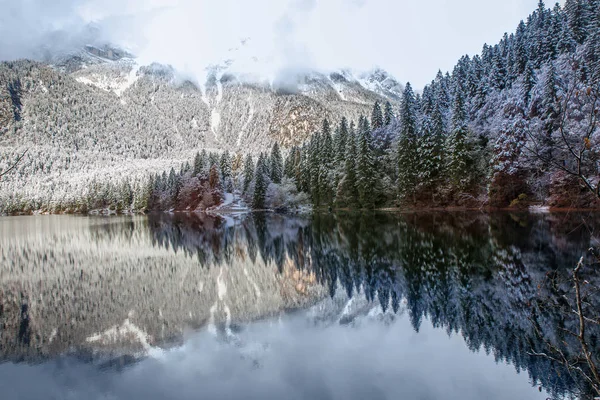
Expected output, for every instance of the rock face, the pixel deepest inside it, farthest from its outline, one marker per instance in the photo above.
(97, 114)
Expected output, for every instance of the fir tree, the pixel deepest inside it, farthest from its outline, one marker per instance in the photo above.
(388, 113)
(326, 156)
(347, 190)
(365, 173)
(458, 148)
(226, 175)
(407, 145)
(276, 170)
(260, 184)
(376, 117)
(248, 172)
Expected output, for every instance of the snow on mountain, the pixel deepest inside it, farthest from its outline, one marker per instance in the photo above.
(88, 113)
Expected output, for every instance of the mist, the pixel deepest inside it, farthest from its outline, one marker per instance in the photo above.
(288, 359)
(412, 40)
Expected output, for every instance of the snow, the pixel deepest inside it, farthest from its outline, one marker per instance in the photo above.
(126, 331)
(539, 209)
(215, 121)
(245, 127)
(117, 85)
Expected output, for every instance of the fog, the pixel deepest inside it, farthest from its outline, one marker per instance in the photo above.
(292, 359)
(410, 39)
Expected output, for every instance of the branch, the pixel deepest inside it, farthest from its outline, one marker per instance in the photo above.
(2, 173)
(581, 337)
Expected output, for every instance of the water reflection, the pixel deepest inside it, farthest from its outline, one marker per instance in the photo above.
(131, 284)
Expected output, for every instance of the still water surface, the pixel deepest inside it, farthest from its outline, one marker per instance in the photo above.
(375, 306)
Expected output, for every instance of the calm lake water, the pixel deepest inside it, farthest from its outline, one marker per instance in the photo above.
(265, 306)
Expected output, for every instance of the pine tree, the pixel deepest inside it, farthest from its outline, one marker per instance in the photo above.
(276, 170)
(407, 145)
(347, 194)
(260, 184)
(528, 83)
(315, 168)
(340, 142)
(388, 113)
(365, 173)
(226, 175)
(248, 172)
(376, 117)
(576, 17)
(458, 153)
(326, 171)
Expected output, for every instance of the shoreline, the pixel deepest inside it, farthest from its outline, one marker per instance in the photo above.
(534, 209)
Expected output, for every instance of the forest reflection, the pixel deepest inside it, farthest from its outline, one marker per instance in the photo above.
(478, 275)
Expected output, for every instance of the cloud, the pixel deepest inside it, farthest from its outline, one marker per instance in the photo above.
(410, 39)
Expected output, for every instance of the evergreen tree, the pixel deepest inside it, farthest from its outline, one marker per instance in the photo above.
(248, 172)
(315, 168)
(326, 171)
(407, 145)
(528, 84)
(458, 148)
(260, 184)
(340, 142)
(365, 173)
(226, 175)
(347, 194)
(388, 113)
(576, 18)
(376, 117)
(276, 169)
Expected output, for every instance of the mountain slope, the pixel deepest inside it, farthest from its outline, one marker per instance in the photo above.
(95, 115)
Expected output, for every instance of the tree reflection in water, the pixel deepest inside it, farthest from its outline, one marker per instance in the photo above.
(482, 276)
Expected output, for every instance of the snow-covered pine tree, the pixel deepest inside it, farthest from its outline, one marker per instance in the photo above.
(315, 168)
(261, 183)
(407, 145)
(326, 170)
(365, 173)
(376, 116)
(226, 175)
(276, 167)
(347, 192)
(457, 147)
(388, 114)
(248, 172)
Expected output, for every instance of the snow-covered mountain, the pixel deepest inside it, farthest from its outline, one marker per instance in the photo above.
(96, 113)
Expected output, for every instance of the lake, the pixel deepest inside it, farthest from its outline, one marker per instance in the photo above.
(256, 306)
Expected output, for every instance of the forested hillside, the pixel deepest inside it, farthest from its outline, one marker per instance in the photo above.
(514, 126)
(90, 123)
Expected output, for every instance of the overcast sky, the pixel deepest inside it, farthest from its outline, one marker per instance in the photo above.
(411, 39)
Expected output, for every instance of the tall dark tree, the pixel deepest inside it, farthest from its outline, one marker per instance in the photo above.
(276, 167)
(261, 183)
(376, 117)
(248, 172)
(388, 114)
(407, 144)
(365, 173)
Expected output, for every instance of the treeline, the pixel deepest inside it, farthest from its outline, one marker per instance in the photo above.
(516, 123)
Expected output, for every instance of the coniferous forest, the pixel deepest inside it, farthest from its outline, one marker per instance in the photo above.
(513, 126)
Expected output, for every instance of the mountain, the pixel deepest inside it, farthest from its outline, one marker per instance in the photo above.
(96, 114)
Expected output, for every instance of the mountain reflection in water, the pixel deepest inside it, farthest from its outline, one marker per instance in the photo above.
(385, 304)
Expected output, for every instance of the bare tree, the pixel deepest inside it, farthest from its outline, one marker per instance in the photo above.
(14, 165)
(573, 147)
(574, 142)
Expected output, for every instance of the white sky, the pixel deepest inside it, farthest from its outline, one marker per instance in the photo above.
(411, 39)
